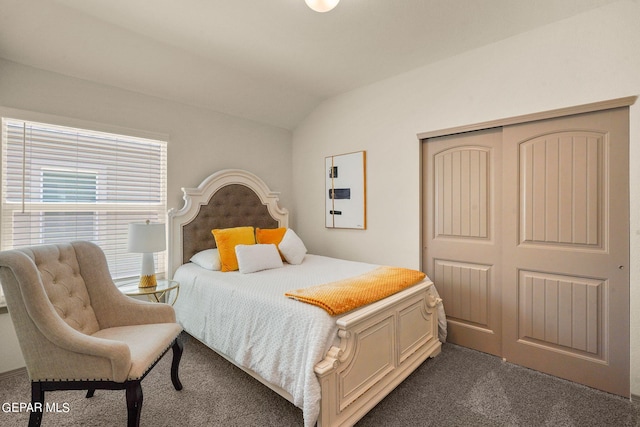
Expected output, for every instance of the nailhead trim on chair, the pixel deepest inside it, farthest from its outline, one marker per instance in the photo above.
(162, 353)
(157, 359)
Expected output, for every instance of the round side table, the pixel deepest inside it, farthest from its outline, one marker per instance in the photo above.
(154, 293)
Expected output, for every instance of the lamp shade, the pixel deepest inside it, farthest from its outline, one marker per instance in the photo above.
(322, 5)
(147, 237)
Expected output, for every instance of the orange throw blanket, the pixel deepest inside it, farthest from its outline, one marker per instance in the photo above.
(346, 294)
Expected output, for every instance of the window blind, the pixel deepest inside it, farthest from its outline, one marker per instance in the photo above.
(61, 184)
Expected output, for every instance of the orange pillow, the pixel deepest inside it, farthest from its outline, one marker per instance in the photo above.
(270, 235)
(226, 241)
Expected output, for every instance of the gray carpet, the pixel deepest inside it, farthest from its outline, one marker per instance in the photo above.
(460, 387)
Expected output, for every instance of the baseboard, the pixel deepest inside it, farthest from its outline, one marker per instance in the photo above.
(13, 373)
(635, 397)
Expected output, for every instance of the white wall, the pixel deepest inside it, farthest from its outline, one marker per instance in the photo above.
(200, 141)
(588, 58)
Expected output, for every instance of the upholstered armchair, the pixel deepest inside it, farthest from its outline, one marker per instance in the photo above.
(77, 331)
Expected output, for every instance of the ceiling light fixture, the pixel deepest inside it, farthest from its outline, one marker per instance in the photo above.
(322, 5)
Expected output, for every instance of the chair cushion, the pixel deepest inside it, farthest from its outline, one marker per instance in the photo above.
(147, 343)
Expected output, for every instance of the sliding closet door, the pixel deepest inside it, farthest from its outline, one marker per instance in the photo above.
(526, 237)
(565, 287)
(462, 240)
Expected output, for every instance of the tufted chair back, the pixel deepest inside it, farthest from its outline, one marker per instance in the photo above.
(47, 297)
(64, 286)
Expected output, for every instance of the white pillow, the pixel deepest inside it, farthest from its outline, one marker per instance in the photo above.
(209, 259)
(292, 248)
(252, 258)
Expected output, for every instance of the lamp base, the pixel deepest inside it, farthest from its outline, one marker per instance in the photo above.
(148, 281)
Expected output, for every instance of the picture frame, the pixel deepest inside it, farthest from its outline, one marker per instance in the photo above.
(345, 191)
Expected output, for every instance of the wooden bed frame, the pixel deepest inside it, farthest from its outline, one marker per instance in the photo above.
(379, 344)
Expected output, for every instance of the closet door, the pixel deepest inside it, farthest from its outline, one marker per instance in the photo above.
(565, 286)
(462, 236)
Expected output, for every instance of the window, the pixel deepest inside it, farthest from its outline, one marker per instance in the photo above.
(61, 184)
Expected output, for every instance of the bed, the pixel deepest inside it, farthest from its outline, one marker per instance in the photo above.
(335, 368)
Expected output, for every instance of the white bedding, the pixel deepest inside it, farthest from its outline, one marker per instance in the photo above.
(247, 318)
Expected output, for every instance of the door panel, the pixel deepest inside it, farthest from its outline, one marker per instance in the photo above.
(563, 313)
(462, 239)
(466, 290)
(462, 193)
(560, 183)
(565, 293)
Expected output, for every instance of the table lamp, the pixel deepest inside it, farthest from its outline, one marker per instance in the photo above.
(147, 238)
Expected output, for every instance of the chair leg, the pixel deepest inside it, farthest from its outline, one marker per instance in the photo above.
(178, 346)
(134, 403)
(37, 402)
(90, 392)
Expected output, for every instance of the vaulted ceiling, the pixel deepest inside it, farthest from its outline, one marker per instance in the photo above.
(272, 61)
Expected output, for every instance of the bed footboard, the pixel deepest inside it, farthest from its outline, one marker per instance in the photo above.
(380, 345)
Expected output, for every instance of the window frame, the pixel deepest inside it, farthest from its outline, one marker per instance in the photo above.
(158, 204)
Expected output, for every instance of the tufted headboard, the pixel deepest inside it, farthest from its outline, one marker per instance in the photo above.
(228, 198)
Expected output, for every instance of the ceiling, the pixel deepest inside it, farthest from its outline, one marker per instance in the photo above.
(271, 61)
